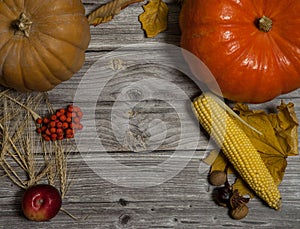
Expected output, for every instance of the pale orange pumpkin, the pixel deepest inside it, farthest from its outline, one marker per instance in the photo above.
(42, 43)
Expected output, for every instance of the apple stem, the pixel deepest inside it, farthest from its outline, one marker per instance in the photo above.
(38, 202)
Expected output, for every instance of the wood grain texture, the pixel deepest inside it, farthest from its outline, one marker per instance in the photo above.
(142, 132)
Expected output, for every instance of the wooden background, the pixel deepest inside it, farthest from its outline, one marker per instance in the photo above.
(184, 201)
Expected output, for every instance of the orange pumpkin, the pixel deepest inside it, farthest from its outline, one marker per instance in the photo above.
(42, 42)
(252, 48)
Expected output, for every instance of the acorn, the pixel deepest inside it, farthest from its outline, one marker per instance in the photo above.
(217, 177)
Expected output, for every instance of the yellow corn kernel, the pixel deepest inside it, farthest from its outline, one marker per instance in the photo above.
(237, 147)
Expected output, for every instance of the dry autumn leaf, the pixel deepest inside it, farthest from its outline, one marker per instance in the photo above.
(154, 19)
(279, 140)
(279, 137)
(107, 11)
(218, 162)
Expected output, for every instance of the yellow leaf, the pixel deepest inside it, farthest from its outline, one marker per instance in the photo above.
(279, 137)
(277, 141)
(242, 187)
(286, 125)
(218, 162)
(154, 19)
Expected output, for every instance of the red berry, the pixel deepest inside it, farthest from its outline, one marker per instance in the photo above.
(76, 109)
(59, 130)
(58, 114)
(79, 126)
(39, 121)
(47, 138)
(79, 114)
(60, 137)
(70, 108)
(65, 125)
(52, 124)
(53, 130)
(69, 114)
(70, 136)
(45, 120)
(53, 137)
(53, 117)
(62, 118)
(43, 128)
(72, 125)
(77, 120)
(59, 124)
(69, 131)
(39, 130)
(47, 132)
(69, 120)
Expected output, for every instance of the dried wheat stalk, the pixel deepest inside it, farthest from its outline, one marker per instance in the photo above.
(24, 157)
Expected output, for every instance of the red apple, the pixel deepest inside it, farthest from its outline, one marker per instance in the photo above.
(41, 202)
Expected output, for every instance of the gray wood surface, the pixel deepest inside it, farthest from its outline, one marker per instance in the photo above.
(149, 132)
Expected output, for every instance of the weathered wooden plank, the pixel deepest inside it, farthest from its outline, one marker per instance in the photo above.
(182, 202)
(134, 74)
(149, 125)
(126, 29)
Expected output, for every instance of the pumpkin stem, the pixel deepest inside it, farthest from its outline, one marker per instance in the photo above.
(23, 24)
(265, 24)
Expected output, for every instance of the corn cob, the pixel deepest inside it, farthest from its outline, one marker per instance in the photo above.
(237, 147)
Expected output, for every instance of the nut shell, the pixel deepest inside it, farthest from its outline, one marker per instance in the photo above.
(217, 178)
(240, 212)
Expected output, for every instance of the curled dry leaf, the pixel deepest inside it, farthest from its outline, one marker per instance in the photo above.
(107, 11)
(238, 207)
(154, 19)
(237, 199)
(279, 137)
(218, 162)
(279, 140)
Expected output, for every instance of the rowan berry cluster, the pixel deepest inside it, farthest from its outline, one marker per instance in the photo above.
(61, 125)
